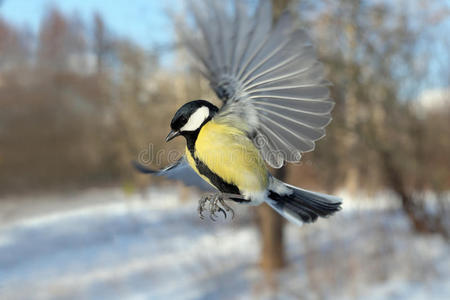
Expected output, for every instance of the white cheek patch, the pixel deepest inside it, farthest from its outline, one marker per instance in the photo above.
(196, 119)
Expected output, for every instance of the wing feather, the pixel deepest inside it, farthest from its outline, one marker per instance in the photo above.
(285, 76)
(291, 154)
(271, 45)
(242, 31)
(257, 37)
(311, 107)
(179, 171)
(307, 119)
(268, 76)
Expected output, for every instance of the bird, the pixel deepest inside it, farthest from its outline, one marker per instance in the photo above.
(276, 105)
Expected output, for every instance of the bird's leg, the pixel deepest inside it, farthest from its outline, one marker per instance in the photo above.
(214, 200)
(202, 204)
(214, 206)
(226, 206)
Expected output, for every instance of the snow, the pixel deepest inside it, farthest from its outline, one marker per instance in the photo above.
(105, 244)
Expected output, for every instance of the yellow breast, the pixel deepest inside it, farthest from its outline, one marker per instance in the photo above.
(230, 154)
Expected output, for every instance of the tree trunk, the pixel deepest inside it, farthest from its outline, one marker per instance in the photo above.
(270, 225)
(271, 229)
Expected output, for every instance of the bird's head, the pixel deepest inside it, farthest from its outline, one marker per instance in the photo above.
(191, 117)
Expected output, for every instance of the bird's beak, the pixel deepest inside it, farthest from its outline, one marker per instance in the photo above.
(172, 134)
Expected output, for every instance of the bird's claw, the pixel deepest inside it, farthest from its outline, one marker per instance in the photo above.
(216, 204)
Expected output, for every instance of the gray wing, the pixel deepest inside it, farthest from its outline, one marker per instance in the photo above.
(268, 76)
(180, 171)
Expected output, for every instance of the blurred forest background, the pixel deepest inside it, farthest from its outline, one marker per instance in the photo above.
(78, 103)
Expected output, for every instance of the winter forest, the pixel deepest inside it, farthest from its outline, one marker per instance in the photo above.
(80, 101)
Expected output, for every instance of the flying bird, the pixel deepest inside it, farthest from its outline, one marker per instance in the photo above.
(276, 104)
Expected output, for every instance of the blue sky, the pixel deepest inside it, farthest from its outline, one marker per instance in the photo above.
(144, 21)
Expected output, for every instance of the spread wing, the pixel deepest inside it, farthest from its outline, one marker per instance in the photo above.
(267, 76)
(181, 171)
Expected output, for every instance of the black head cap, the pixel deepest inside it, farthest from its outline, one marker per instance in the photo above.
(185, 112)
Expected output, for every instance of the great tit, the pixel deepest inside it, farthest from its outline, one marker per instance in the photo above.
(276, 105)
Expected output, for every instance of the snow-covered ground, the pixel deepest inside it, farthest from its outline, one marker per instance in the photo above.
(104, 244)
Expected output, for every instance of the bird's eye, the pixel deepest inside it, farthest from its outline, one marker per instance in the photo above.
(183, 119)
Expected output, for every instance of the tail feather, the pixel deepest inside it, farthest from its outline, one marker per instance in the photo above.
(302, 206)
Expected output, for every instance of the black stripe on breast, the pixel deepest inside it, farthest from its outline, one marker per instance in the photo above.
(215, 179)
(203, 169)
